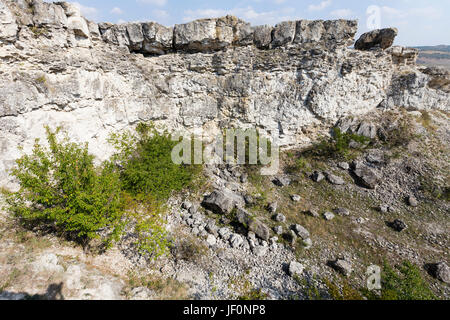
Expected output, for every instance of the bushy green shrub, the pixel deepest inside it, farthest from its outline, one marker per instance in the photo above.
(338, 146)
(61, 187)
(146, 162)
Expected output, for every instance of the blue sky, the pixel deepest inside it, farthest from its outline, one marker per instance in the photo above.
(419, 22)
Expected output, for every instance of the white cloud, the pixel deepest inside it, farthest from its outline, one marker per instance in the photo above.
(116, 10)
(88, 12)
(427, 13)
(342, 14)
(320, 6)
(158, 3)
(248, 14)
(160, 15)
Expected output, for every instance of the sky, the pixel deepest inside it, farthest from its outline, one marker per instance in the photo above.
(420, 22)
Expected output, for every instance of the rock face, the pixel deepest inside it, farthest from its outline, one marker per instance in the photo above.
(381, 38)
(60, 69)
(8, 26)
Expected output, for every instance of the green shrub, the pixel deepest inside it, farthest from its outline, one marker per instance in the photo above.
(146, 162)
(338, 146)
(253, 295)
(60, 187)
(405, 282)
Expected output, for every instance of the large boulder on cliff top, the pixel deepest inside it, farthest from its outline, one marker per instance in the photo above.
(381, 38)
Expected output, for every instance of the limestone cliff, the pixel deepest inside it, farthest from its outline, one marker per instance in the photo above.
(58, 68)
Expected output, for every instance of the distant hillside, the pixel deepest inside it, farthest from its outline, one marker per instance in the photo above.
(442, 48)
(435, 56)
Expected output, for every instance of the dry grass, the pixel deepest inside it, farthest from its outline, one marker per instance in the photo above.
(164, 288)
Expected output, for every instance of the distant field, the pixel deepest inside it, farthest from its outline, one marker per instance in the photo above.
(435, 56)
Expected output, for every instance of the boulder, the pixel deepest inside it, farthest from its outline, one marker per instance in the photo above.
(375, 156)
(301, 231)
(260, 229)
(366, 177)
(262, 36)
(280, 218)
(283, 33)
(309, 31)
(207, 35)
(135, 36)
(317, 176)
(222, 201)
(48, 14)
(282, 181)
(278, 230)
(260, 251)
(398, 225)
(158, 39)
(115, 34)
(381, 38)
(412, 201)
(224, 233)
(313, 213)
(94, 31)
(236, 241)
(295, 198)
(253, 224)
(343, 165)
(367, 129)
(272, 207)
(295, 269)
(342, 266)
(384, 208)
(199, 35)
(440, 271)
(212, 228)
(242, 32)
(291, 237)
(333, 179)
(307, 243)
(328, 216)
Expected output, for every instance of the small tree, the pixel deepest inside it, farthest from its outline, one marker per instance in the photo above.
(61, 187)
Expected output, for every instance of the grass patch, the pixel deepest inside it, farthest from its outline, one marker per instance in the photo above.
(164, 288)
(404, 282)
(189, 249)
(39, 31)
